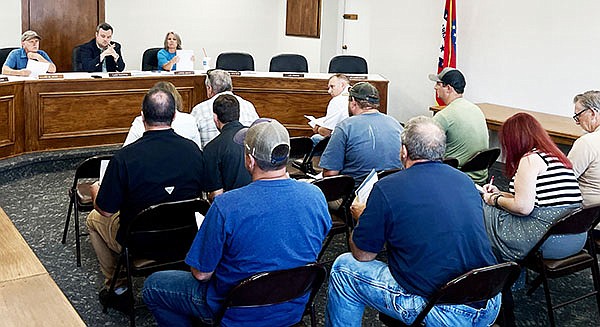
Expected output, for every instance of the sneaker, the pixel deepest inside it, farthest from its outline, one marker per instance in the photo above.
(118, 302)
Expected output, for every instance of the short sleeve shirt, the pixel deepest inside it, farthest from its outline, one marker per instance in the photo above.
(17, 59)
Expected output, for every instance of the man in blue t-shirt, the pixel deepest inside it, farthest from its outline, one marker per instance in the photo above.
(271, 224)
(429, 217)
(365, 141)
(16, 62)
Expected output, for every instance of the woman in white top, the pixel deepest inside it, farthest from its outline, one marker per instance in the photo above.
(183, 124)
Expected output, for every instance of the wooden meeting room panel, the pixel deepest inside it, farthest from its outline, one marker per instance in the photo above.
(289, 99)
(88, 112)
(12, 138)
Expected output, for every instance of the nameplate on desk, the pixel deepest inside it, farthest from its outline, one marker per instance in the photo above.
(3, 79)
(234, 73)
(293, 75)
(119, 74)
(51, 76)
(357, 77)
(184, 72)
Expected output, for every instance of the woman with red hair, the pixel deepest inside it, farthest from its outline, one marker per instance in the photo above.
(542, 189)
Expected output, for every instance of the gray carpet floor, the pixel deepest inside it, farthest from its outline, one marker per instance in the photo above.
(37, 205)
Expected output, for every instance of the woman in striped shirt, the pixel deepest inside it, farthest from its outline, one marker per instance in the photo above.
(542, 189)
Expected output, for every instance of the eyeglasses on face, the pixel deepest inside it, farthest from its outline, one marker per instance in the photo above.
(576, 116)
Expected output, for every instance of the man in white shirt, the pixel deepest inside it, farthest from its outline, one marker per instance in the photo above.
(218, 82)
(337, 109)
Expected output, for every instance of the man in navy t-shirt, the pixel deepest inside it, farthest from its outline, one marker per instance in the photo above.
(430, 218)
(271, 224)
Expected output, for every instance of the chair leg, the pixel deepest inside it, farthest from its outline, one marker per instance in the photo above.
(313, 318)
(71, 204)
(535, 283)
(77, 236)
(548, 299)
(595, 268)
(113, 281)
(130, 287)
(327, 241)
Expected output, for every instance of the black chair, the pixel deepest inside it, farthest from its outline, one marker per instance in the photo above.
(274, 287)
(158, 238)
(289, 63)
(300, 147)
(80, 199)
(76, 64)
(338, 191)
(150, 60)
(387, 172)
(452, 162)
(579, 221)
(348, 65)
(237, 61)
(305, 165)
(476, 285)
(481, 160)
(4, 54)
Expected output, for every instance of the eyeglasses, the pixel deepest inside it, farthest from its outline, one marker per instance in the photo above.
(576, 116)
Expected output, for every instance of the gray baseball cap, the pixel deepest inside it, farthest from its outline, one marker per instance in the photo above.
(28, 35)
(261, 139)
(365, 91)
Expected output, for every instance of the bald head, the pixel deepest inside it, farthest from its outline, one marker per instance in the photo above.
(424, 139)
(158, 108)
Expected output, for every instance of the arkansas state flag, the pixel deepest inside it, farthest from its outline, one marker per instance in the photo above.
(448, 48)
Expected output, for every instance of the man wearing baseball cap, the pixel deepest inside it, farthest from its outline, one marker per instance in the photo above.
(271, 224)
(462, 121)
(16, 62)
(366, 140)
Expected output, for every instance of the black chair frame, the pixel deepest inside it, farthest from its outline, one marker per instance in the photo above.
(300, 148)
(88, 169)
(276, 287)
(474, 286)
(235, 61)
(481, 160)
(579, 221)
(337, 188)
(144, 250)
(150, 60)
(306, 164)
(288, 62)
(348, 64)
(4, 54)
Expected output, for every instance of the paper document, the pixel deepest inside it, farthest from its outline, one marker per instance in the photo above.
(199, 219)
(103, 165)
(37, 67)
(185, 60)
(479, 188)
(312, 121)
(363, 191)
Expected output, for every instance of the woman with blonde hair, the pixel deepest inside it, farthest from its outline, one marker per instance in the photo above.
(167, 57)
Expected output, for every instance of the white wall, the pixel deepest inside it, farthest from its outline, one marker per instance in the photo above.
(533, 54)
(10, 28)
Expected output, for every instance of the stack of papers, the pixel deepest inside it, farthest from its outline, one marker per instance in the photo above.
(365, 188)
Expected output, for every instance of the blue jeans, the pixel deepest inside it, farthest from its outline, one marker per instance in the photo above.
(175, 297)
(354, 285)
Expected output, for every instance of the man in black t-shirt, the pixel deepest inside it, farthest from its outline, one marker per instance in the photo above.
(159, 167)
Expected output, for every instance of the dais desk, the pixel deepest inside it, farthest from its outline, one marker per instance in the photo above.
(562, 129)
(81, 111)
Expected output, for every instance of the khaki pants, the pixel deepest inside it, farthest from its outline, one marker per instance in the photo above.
(103, 233)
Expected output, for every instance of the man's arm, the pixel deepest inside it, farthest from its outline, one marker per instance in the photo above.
(359, 254)
(213, 194)
(120, 64)
(327, 172)
(94, 189)
(201, 276)
(15, 72)
(323, 131)
(43, 57)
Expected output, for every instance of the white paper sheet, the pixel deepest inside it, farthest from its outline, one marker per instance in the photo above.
(103, 165)
(363, 191)
(37, 67)
(199, 219)
(185, 60)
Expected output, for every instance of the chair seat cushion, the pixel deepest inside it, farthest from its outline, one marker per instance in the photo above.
(84, 193)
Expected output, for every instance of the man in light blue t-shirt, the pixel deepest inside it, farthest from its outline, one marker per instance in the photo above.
(16, 62)
(365, 141)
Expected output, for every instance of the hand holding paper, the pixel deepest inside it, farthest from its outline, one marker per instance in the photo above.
(186, 60)
(37, 67)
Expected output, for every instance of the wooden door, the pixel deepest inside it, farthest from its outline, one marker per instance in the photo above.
(62, 24)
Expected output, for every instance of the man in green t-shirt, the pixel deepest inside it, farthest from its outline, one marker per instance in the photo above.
(463, 122)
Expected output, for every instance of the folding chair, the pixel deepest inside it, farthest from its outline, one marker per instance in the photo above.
(306, 164)
(338, 191)
(579, 221)
(80, 199)
(476, 285)
(158, 238)
(481, 160)
(300, 147)
(277, 287)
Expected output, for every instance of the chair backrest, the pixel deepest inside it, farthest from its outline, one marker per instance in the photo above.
(4, 54)
(576, 222)
(481, 160)
(452, 162)
(388, 172)
(235, 61)
(165, 231)
(276, 287)
(336, 187)
(300, 146)
(90, 167)
(76, 64)
(288, 63)
(348, 64)
(149, 59)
